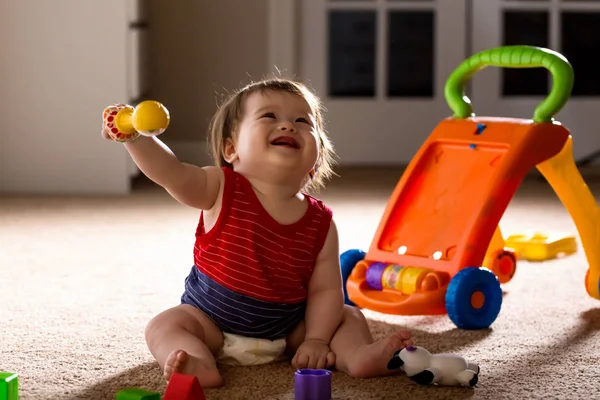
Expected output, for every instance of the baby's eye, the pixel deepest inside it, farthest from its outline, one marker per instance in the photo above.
(269, 115)
(303, 120)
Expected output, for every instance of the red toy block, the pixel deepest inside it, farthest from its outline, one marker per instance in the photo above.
(184, 387)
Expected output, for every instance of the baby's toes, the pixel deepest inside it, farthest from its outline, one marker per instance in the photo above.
(407, 335)
(397, 342)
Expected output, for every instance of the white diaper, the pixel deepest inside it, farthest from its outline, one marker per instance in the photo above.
(241, 350)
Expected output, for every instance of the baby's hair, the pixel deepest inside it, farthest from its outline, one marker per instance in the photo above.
(231, 112)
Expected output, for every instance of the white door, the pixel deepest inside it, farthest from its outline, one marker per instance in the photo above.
(65, 61)
(380, 66)
(571, 28)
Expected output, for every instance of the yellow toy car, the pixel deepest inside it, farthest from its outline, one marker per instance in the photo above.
(541, 247)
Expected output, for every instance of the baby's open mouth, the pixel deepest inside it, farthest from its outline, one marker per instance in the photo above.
(286, 141)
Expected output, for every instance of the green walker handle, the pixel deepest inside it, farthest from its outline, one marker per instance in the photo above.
(513, 57)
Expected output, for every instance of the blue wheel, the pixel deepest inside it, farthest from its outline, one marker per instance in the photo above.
(474, 298)
(348, 261)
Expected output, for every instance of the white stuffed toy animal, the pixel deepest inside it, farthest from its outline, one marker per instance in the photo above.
(442, 369)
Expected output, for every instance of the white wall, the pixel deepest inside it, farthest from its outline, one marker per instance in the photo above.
(200, 50)
(62, 63)
(69, 59)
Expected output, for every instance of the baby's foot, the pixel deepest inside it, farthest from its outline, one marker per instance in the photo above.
(372, 359)
(181, 362)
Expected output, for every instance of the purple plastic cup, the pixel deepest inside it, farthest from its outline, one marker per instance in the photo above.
(374, 274)
(312, 384)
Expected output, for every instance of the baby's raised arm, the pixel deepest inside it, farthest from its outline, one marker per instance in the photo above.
(137, 129)
(190, 185)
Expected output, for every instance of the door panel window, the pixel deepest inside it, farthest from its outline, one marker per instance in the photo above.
(525, 28)
(352, 53)
(410, 64)
(580, 44)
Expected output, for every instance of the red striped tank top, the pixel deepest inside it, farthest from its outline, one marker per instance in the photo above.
(249, 252)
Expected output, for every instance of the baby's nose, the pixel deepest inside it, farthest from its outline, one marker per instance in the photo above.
(287, 126)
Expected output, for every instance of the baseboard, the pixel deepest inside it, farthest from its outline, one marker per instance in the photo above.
(589, 172)
(196, 152)
(132, 168)
(191, 152)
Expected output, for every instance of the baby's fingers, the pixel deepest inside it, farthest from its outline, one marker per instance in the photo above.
(295, 361)
(302, 361)
(330, 359)
(311, 361)
(321, 361)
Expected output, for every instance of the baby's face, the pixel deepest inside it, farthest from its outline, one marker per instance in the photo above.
(278, 130)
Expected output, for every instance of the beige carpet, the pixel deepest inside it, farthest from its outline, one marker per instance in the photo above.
(80, 277)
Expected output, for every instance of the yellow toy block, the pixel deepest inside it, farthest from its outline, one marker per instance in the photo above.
(541, 247)
(9, 386)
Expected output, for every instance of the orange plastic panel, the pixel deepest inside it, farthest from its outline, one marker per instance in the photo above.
(445, 208)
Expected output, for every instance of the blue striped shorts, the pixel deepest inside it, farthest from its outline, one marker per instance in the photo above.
(240, 314)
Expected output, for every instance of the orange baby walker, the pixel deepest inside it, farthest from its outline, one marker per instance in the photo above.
(438, 248)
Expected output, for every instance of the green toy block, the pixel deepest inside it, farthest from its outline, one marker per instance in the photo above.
(136, 394)
(9, 386)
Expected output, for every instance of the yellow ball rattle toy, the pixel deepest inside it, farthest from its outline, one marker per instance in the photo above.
(124, 123)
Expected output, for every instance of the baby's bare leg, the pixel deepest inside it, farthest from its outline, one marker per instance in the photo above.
(356, 353)
(183, 339)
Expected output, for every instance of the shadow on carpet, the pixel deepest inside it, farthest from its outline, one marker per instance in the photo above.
(547, 360)
(275, 381)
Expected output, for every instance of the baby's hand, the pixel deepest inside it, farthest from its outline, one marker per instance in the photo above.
(109, 127)
(313, 354)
